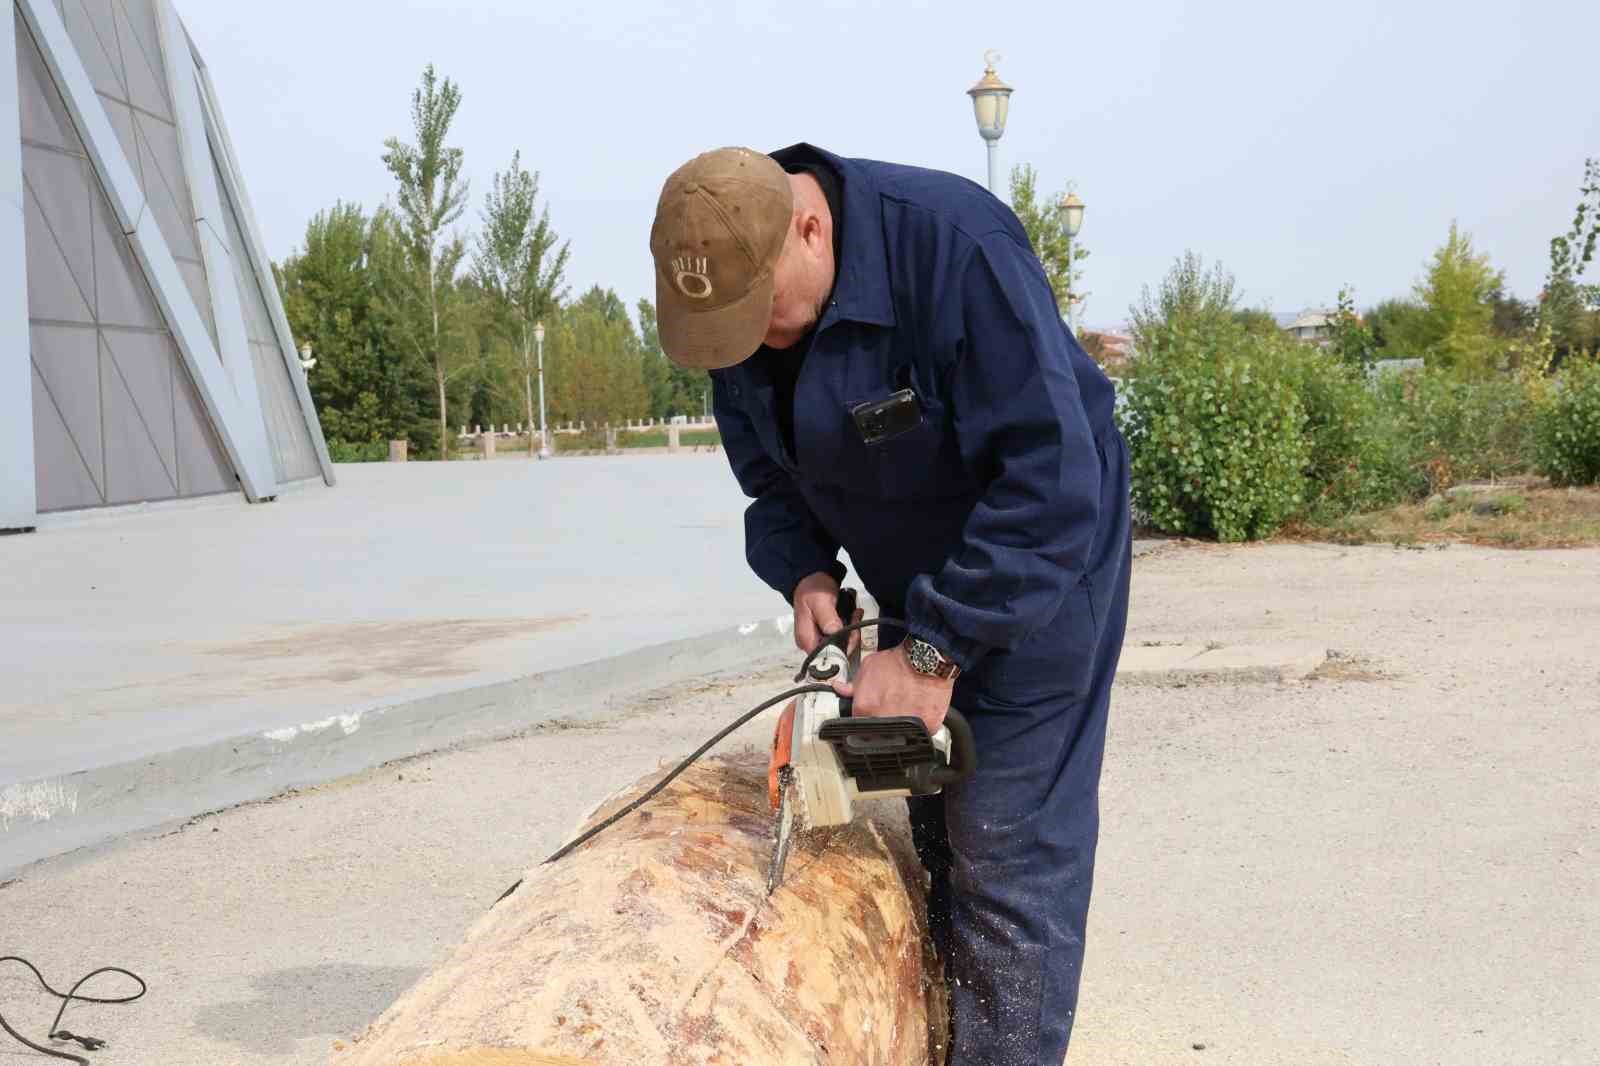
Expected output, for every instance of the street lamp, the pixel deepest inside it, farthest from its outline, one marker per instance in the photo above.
(306, 362)
(991, 100)
(544, 425)
(1072, 208)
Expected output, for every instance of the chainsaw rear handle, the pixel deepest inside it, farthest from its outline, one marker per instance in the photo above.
(963, 751)
(963, 748)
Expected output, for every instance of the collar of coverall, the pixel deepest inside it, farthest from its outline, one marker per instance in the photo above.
(861, 282)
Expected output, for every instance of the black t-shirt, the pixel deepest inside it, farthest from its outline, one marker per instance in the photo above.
(783, 364)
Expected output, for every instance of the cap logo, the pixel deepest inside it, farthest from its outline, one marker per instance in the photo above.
(692, 275)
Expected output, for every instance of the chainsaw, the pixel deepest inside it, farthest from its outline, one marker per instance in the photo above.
(824, 758)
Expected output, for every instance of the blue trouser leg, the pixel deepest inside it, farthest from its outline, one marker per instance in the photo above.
(1011, 850)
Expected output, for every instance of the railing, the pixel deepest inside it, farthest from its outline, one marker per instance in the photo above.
(520, 430)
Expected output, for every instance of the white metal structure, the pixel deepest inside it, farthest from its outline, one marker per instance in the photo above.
(144, 352)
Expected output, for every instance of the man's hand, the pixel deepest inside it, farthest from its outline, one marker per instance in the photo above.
(886, 686)
(816, 613)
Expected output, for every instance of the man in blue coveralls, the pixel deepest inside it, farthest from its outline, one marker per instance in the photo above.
(892, 377)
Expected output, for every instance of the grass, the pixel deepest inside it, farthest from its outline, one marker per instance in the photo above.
(657, 438)
(1529, 515)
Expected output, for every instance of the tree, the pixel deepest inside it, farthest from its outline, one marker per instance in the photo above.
(1456, 330)
(1393, 323)
(595, 362)
(517, 262)
(1350, 339)
(431, 196)
(368, 387)
(678, 390)
(1190, 295)
(1258, 321)
(1568, 308)
(1046, 227)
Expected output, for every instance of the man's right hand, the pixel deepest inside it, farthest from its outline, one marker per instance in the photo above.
(816, 612)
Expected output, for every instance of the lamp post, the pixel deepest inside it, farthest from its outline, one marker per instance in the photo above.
(1072, 208)
(991, 100)
(527, 388)
(544, 425)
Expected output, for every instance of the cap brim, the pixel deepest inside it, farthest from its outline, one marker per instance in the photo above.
(715, 339)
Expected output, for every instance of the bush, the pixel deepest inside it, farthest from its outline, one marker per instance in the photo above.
(1567, 426)
(371, 451)
(1464, 431)
(1355, 462)
(1215, 432)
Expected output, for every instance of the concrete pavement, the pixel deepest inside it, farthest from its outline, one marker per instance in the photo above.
(1388, 864)
(174, 659)
(140, 650)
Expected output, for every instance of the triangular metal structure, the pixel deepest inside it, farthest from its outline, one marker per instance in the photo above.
(144, 351)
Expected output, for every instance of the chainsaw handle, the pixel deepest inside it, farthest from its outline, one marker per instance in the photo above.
(963, 751)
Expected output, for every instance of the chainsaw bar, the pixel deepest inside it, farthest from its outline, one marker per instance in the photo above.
(780, 853)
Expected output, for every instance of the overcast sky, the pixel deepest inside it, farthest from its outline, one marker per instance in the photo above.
(1305, 144)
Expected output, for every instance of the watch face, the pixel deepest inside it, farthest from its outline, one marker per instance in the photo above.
(924, 656)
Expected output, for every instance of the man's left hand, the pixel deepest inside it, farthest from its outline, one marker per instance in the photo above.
(886, 686)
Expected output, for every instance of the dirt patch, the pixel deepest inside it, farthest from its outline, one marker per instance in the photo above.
(1511, 515)
(393, 650)
(1341, 667)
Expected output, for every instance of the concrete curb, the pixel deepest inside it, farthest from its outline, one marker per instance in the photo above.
(54, 815)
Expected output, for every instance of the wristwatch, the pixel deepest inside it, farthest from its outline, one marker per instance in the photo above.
(929, 661)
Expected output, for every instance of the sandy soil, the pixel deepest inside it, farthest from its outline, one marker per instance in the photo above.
(1394, 862)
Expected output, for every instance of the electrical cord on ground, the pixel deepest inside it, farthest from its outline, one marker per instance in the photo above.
(835, 638)
(88, 1043)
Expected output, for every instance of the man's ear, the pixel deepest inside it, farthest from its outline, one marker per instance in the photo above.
(811, 230)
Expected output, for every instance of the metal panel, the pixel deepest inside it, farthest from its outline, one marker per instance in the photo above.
(60, 282)
(44, 117)
(234, 188)
(227, 317)
(146, 88)
(246, 450)
(67, 411)
(140, 460)
(18, 499)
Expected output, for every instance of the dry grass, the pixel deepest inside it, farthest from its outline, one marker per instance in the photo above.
(1501, 516)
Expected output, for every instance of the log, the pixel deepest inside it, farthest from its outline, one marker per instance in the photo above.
(656, 943)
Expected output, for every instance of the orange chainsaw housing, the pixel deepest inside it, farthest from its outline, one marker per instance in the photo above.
(782, 741)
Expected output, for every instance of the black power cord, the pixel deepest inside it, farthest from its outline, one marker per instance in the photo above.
(838, 638)
(88, 1043)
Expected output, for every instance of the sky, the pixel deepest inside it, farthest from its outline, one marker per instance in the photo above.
(1305, 144)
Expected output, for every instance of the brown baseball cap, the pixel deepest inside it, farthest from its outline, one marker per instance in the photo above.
(720, 225)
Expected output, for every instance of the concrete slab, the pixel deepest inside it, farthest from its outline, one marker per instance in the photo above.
(167, 660)
(129, 637)
(1155, 662)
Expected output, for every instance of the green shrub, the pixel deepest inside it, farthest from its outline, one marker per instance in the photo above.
(1567, 427)
(1357, 459)
(371, 451)
(1464, 431)
(1216, 435)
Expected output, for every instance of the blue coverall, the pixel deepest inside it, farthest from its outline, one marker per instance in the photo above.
(998, 529)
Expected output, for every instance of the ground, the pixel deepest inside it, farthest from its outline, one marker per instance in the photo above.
(1391, 862)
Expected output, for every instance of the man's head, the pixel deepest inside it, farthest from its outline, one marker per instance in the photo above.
(744, 256)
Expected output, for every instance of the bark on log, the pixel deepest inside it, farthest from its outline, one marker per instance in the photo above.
(656, 944)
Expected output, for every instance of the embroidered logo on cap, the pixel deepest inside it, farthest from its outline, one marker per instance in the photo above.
(692, 274)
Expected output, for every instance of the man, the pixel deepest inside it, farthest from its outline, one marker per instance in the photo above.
(892, 376)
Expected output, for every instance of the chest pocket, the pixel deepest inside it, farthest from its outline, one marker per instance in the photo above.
(919, 463)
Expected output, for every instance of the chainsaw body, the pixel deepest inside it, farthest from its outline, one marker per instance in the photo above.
(824, 758)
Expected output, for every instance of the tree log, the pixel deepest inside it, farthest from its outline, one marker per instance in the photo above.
(656, 943)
